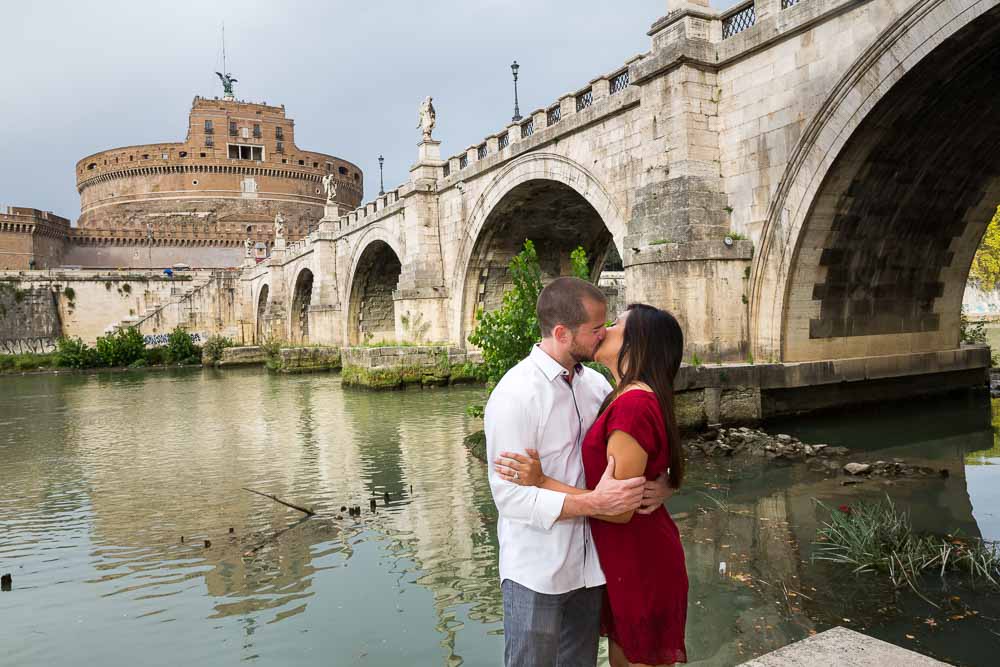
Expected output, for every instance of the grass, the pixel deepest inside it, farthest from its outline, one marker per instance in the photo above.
(876, 537)
(16, 363)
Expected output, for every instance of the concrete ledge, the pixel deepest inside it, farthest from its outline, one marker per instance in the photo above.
(394, 367)
(242, 356)
(845, 648)
(747, 393)
(306, 360)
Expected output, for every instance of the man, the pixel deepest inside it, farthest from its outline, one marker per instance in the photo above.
(551, 580)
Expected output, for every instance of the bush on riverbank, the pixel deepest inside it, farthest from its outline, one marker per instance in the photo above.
(16, 363)
(211, 352)
(121, 348)
(876, 537)
(181, 348)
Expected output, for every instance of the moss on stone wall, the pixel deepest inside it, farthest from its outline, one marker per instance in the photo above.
(439, 375)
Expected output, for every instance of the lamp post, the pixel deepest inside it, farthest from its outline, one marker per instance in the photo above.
(381, 183)
(517, 112)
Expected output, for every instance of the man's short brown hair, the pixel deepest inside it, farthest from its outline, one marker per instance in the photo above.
(561, 302)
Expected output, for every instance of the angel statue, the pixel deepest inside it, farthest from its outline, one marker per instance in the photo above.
(227, 83)
(248, 247)
(279, 226)
(428, 118)
(330, 186)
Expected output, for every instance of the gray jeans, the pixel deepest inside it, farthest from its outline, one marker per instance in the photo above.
(550, 630)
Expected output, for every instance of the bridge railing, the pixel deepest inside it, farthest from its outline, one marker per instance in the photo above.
(746, 14)
(541, 119)
(738, 19)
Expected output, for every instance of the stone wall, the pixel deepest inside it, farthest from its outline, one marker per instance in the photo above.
(389, 367)
(88, 303)
(29, 318)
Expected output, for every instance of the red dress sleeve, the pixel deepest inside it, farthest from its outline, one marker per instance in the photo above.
(637, 413)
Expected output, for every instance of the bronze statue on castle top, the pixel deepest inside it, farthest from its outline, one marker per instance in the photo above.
(227, 83)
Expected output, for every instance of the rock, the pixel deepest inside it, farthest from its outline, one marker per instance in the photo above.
(857, 469)
(836, 451)
(784, 438)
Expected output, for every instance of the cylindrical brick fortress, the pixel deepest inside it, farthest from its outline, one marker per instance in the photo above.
(238, 167)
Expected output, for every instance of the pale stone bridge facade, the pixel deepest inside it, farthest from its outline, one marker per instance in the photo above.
(797, 180)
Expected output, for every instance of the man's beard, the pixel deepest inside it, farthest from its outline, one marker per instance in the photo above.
(580, 354)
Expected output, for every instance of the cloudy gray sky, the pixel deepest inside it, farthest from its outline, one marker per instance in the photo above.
(86, 75)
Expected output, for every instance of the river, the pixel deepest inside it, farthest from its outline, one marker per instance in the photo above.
(112, 483)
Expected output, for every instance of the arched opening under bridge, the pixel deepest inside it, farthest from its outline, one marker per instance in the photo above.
(372, 311)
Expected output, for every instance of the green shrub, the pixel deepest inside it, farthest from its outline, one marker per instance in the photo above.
(180, 347)
(579, 265)
(506, 335)
(139, 363)
(121, 348)
(155, 356)
(212, 350)
(74, 353)
(972, 332)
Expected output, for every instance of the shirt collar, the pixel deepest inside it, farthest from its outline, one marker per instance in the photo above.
(549, 366)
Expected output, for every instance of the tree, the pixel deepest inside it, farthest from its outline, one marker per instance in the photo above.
(506, 334)
(986, 264)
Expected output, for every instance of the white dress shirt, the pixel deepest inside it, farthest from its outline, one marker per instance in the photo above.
(533, 406)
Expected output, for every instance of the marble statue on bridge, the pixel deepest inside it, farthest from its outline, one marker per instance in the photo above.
(427, 118)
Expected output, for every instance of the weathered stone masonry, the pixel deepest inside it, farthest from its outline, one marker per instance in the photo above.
(797, 185)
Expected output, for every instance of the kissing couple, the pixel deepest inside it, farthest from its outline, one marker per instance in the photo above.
(580, 475)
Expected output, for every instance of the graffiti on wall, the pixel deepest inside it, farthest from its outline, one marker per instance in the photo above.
(38, 345)
(159, 340)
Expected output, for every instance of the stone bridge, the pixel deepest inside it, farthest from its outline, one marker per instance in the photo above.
(797, 180)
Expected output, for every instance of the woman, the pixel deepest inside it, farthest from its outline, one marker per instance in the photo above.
(645, 606)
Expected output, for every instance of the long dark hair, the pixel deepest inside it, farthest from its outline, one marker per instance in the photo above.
(652, 346)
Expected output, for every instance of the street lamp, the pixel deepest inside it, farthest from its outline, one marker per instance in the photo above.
(517, 112)
(381, 183)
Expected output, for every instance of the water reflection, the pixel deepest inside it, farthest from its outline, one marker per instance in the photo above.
(103, 475)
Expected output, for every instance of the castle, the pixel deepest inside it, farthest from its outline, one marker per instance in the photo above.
(195, 202)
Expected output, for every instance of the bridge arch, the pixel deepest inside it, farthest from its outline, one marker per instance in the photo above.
(298, 317)
(870, 235)
(375, 271)
(548, 198)
(261, 328)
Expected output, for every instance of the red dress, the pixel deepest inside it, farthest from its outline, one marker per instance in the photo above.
(645, 607)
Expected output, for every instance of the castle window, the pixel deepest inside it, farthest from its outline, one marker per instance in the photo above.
(209, 128)
(343, 171)
(92, 165)
(279, 133)
(238, 152)
(284, 161)
(183, 154)
(202, 154)
(315, 165)
(280, 147)
(256, 130)
(357, 177)
(131, 158)
(302, 162)
(164, 156)
(245, 132)
(209, 143)
(145, 156)
(232, 128)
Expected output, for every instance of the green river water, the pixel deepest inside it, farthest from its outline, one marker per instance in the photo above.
(102, 475)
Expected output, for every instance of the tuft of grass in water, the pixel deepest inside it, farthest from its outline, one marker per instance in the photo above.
(876, 537)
